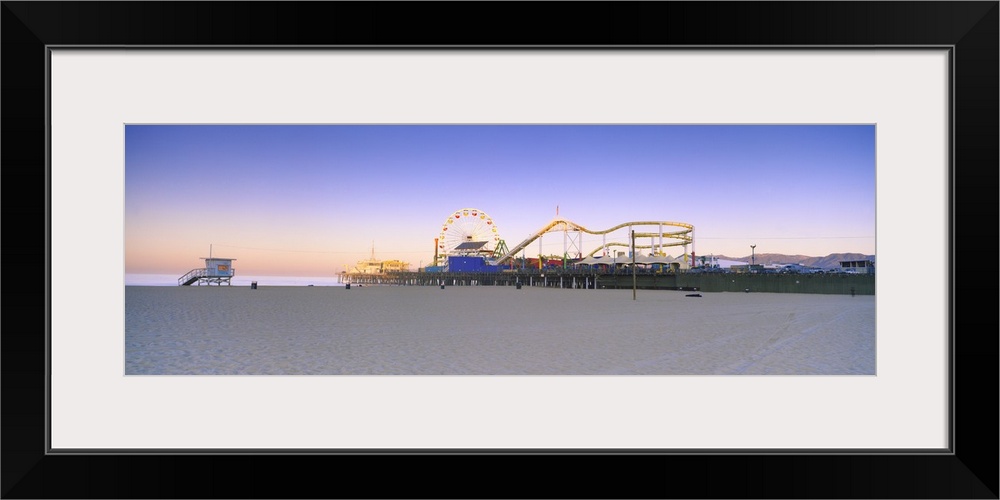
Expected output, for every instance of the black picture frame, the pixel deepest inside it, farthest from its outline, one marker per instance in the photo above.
(969, 28)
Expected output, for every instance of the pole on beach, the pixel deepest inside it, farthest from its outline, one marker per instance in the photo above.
(633, 264)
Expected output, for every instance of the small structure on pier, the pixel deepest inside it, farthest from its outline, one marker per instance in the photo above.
(217, 270)
(864, 266)
(375, 266)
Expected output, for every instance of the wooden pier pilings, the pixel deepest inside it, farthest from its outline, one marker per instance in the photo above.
(858, 284)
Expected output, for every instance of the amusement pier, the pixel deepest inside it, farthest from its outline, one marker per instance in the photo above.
(469, 252)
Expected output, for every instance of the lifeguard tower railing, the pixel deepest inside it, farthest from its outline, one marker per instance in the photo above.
(202, 275)
(192, 276)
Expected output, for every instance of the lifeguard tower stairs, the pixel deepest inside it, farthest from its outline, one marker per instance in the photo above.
(217, 271)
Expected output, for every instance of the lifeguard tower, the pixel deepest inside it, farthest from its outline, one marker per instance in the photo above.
(217, 270)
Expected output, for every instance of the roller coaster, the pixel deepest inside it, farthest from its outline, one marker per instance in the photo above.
(682, 237)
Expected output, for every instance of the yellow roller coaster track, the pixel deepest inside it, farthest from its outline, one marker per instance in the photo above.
(682, 237)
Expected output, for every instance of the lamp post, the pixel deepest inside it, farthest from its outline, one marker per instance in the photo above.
(633, 265)
(752, 260)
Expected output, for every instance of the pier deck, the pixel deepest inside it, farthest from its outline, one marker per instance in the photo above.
(858, 284)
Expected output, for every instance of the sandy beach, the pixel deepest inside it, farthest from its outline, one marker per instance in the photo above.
(484, 330)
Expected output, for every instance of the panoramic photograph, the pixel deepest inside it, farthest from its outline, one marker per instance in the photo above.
(368, 250)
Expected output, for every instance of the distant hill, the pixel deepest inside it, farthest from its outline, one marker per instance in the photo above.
(829, 261)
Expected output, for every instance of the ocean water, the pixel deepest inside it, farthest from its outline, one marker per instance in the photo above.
(487, 330)
(238, 280)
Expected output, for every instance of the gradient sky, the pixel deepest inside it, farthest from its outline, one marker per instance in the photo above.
(311, 200)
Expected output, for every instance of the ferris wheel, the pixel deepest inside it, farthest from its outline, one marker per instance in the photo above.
(462, 230)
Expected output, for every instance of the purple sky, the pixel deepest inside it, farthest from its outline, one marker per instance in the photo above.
(311, 200)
